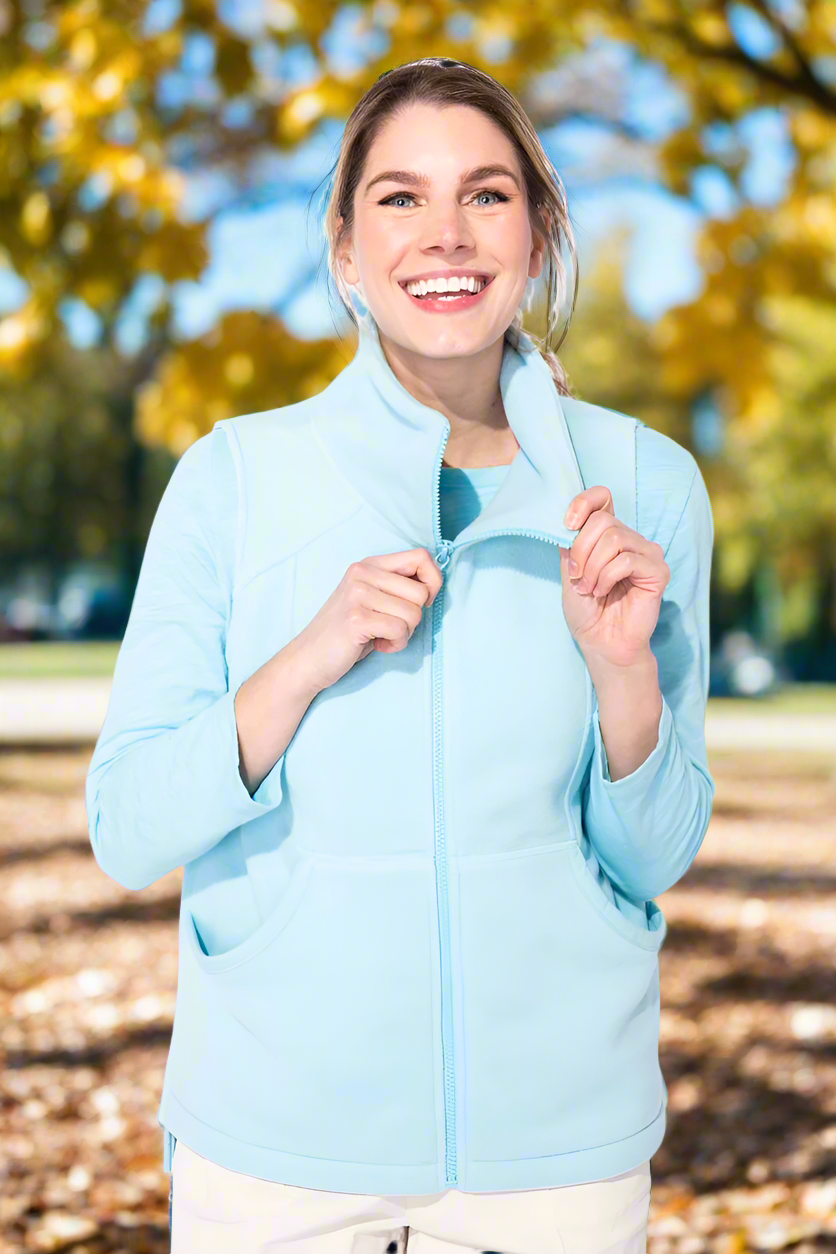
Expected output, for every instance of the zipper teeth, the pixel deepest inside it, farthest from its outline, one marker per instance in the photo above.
(444, 919)
(451, 1168)
(447, 547)
(566, 541)
(438, 484)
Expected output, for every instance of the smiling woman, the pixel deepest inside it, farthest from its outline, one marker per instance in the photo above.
(441, 253)
(424, 783)
(480, 205)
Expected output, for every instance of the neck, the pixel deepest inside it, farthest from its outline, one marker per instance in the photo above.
(465, 389)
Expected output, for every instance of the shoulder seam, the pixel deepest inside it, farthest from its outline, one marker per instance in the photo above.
(682, 511)
(636, 423)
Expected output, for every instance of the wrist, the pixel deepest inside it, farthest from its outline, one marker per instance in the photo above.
(298, 677)
(609, 670)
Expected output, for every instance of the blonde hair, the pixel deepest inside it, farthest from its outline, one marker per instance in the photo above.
(444, 81)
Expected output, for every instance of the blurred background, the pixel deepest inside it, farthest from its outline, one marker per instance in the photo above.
(162, 265)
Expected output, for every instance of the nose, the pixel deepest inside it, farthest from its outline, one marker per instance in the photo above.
(445, 228)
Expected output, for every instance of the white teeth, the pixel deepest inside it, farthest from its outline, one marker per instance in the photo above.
(422, 287)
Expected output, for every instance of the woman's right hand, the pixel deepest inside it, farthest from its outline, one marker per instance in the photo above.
(376, 605)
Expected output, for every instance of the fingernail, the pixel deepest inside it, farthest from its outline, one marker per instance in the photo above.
(573, 565)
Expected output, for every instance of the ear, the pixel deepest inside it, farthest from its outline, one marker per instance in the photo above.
(538, 242)
(345, 257)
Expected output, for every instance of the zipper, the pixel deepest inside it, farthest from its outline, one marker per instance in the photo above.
(443, 554)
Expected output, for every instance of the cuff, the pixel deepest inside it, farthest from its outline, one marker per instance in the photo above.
(641, 776)
(269, 792)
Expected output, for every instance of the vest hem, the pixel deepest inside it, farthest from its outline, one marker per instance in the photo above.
(405, 1179)
(332, 1175)
(577, 1167)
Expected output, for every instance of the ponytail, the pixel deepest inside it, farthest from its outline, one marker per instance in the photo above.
(555, 365)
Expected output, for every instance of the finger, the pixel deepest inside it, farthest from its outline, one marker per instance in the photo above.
(397, 587)
(376, 601)
(581, 506)
(413, 567)
(391, 631)
(641, 569)
(603, 537)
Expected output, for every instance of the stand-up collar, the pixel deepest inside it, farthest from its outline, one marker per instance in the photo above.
(389, 445)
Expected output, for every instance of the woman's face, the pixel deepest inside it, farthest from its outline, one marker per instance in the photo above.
(441, 194)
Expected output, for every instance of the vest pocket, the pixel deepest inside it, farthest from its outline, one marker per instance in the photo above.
(560, 1010)
(264, 934)
(649, 937)
(317, 1036)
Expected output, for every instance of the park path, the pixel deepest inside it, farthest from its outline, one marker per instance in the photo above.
(71, 711)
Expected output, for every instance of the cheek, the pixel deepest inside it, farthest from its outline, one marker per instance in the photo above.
(508, 240)
(518, 244)
(380, 250)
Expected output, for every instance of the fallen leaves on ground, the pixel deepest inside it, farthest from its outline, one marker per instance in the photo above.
(88, 977)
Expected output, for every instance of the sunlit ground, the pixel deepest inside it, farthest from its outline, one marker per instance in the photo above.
(748, 1038)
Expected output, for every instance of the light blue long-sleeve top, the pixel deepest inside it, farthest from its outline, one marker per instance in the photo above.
(442, 826)
(171, 662)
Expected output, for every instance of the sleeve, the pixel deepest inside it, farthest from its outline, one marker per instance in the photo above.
(164, 782)
(647, 827)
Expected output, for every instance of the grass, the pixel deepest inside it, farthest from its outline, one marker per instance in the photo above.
(793, 699)
(48, 659)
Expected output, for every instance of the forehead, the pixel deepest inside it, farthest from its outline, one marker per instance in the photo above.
(440, 141)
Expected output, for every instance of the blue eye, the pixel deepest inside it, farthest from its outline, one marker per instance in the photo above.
(396, 196)
(486, 191)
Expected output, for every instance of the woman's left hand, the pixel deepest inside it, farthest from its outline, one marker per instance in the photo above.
(613, 613)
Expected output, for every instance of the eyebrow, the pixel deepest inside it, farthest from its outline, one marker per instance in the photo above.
(415, 179)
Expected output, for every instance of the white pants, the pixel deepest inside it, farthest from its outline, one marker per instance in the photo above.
(217, 1211)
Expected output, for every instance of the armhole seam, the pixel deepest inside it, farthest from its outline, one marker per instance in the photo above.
(237, 458)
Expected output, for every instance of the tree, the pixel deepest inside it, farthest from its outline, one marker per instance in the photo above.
(105, 110)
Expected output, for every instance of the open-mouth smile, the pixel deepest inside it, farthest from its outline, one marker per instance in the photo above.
(445, 295)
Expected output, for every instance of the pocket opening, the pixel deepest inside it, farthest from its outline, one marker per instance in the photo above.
(278, 919)
(649, 938)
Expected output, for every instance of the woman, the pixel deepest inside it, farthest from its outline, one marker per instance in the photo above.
(387, 694)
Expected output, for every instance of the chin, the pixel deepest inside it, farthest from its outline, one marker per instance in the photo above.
(444, 342)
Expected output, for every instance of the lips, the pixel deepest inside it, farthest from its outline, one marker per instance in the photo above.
(487, 279)
(444, 301)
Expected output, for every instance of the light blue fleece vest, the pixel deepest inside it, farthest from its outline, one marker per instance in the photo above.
(424, 953)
